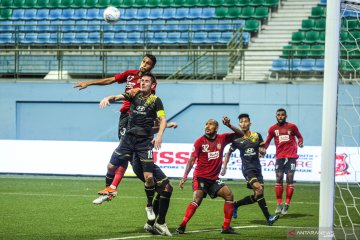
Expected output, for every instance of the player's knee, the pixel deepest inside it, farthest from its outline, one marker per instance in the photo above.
(111, 168)
(168, 188)
(148, 178)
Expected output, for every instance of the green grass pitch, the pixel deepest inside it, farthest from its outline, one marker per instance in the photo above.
(50, 207)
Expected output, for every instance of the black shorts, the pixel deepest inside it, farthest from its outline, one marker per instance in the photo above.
(123, 122)
(161, 180)
(253, 175)
(210, 187)
(285, 165)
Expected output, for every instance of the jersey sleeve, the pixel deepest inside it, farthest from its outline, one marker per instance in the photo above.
(196, 149)
(298, 134)
(159, 108)
(130, 95)
(261, 140)
(269, 137)
(229, 137)
(121, 77)
(232, 147)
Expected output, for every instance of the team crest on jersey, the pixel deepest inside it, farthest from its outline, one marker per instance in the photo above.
(289, 132)
(213, 155)
(218, 146)
(341, 165)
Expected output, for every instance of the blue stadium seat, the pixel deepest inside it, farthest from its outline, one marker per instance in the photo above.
(214, 38)
(194, 13)
(225, 25)
(306, 65)
(208, 13)
(18, 14)
(119, 38)
(319, 65)
(81, 25)
(55, 26)
(246, 38)
(295, 63)
(142, 13)
(198, 25)
(211, 24)
(94, 26)
(159, 38)
(280, 65)
(93, 14)
(226, 36)
(81, 38)
(157, 25)
(42, 14)
(30, 26)
(323, 2)
(54, 38)
(68, 38)
(173, 25)
(79, 14)
(181, 13)
(133, 26)
(134, 38)
(120, 28)
(29, 38)
(55, 14)
(155, 13)
(29, 14)
(199, 37)
(109, 27)
(169, 13)
(68, 26)
(68, 14)
(6, 38)
(108, 37)
(94, 38)
(43, 38)
(129, 13)
(6, 26)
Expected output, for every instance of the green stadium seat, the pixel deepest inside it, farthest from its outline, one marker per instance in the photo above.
(78, 4)
(217, 3)
(344, 37)
(165, 3)
(354, 37)
(66, 3)
(221, 12)
(152, 3)
(261, 13)
(271, 3)
(320, 25)
(257, 3)
(288, 51)
(5, 13)
(243, 3)
(307, 25)
(178, 3)
(302, 51)
(311, 37)
(230, 3)
(321, 39)
(18, 3)
(247, 13)
(30, 4)
(127, 3)
(349, 25)
(139, 3)
(317, 51)
(54, 3)
(103, 3)
(204, 3)
(42, 4)
(116, 3)
(355, 53)
(350, 66)
(90, 3)
(345, 50)
(190, 3)
(317, 12)
(252, 26)
(6, 3)
(297, 38)
(233, 12)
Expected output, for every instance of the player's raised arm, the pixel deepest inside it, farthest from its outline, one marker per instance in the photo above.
(188, 168)
(226, 161)
(105, 81)
(107, 100)
(158, 138)
(226, 122)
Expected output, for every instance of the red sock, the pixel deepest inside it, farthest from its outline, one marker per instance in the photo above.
(190, 210)
(279, 189)
(289, 192)
(119, 174)
(228, 210)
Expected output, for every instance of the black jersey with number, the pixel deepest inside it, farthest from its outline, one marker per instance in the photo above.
(249, 150)
(143, 112)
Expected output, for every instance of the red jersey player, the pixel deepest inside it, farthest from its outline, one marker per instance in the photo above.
(284, 134)
(208, 150)
(131, 78)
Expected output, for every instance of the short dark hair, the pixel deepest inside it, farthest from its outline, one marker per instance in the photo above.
(152, 58)
(243, 115)
(216, 122)
(149, 74)
(281, 110)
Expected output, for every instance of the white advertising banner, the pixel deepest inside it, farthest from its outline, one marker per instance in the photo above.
(91, 158)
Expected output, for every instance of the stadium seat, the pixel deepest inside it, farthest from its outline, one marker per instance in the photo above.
(169, 13)
(261, 13)
(246, 38)
(190, 3)
(127, 3)
(173, 38)
(90, 3)
(7, 13)
(319, 25)
(256, 3)
(6, 3)
(152, 3)
(81, 26)
(280, 65)
(156, 13)
(323, 2)
(159, 38)
(321, 39)
(226, 36)
(317, 12)
(194, 13)
(234, 12)
(211, 24)
(317, 51)
(42, 38)
(354, 37)
(221, 12)
(42, 3)
(302, 51)
(294, 64)
(344, 37)
(178, 3)
(54, 3)
(55, 26)
(199, 38)
(271, 3)
(157, 25)
(297, 38)
(311, 37)
(94, 38)
(29, 4)
(165, 3)
(54, 14)
(119, 38)
(78, 4)
(67, 38)
(181, 13)
(349, 24)
(18, 3)
(29, 38)
(203, 3)
(116, 3)
(198, 25)
(307, 25)
(139, 3)
(29, 14)
(247, 13)
(230, 3)
(94, 26)
(319, 65)
(68, 26)
(134, 38)
(41, 14)
(66, 3)
(79, 14)
(81, 38)
(93, 14)
(252, 26)
(288, 51)
(243, 3)
(6, 38)
(225, 25)
(30, 26)
(68, 14)
(103, 3)
(129, 13)
(214, 38)
(134, 26)
(208, 13)
(108, 37)
(7, 26)
(142, 14)
(306, 65)
(217, 3)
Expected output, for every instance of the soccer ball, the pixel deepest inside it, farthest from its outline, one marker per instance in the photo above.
(111, 14)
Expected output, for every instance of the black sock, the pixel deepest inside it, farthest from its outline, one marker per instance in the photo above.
(245, 201)
(262, 204)
(163, 206)
(109, 178)
(150, 192)
(155, 208)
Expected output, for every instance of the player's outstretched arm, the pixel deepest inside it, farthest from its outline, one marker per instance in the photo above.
(188, 168)
(158, 138)
(226, 122)
(105, 81)
(226, 161)
(107, 100)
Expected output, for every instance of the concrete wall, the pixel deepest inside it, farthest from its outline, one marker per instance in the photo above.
(56, 111)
